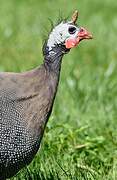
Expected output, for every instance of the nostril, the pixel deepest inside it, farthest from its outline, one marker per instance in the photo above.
(81, 29)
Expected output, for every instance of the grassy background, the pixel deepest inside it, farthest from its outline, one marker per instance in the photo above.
(80, 140)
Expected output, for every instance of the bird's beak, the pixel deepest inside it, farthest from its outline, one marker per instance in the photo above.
(82, 34)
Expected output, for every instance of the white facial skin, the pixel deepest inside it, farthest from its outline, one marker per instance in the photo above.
(61, 33)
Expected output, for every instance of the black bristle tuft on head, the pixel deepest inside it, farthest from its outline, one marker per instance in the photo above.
(52, 26)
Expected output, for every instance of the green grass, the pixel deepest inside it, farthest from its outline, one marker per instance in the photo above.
(80, 140)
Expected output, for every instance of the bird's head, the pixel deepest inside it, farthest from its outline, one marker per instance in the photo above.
(67, 34)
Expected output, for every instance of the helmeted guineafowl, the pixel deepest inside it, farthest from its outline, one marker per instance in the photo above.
(26, 99)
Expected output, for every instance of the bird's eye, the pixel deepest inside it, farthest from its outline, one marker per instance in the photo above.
(72, 30)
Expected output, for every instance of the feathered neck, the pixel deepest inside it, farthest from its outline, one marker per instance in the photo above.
(53, 57)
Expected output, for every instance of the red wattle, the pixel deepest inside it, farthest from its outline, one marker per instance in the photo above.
(71, 43)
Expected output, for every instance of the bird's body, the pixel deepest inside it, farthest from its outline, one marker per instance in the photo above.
(24, 109)
(26, 101)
